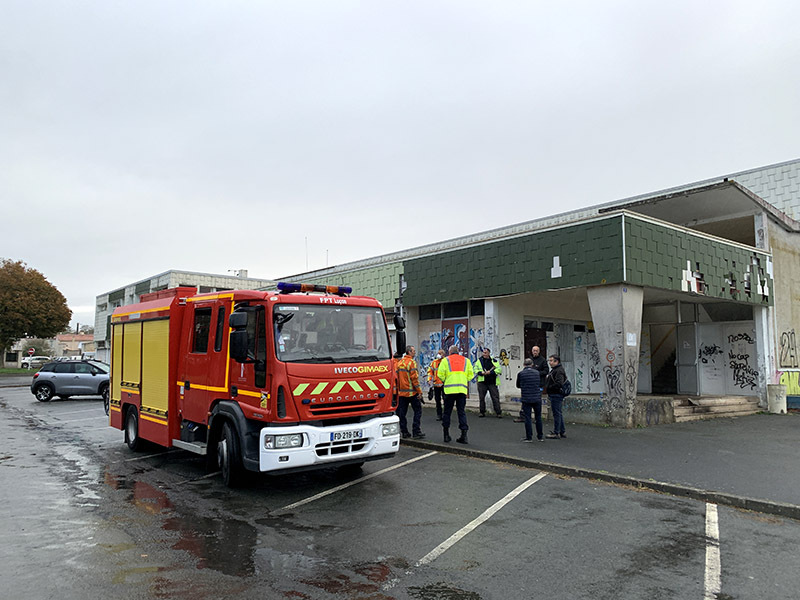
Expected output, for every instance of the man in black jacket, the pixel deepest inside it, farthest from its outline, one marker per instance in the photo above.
(531, 387)
(553, 386)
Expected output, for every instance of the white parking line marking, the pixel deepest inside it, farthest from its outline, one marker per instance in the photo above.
(351, 483)
(713, 583)
(485, 516)
(60, 422)
(149, 456)
(72, 412)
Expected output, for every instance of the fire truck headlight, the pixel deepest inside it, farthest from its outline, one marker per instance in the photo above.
(294, 440)
(390, 429)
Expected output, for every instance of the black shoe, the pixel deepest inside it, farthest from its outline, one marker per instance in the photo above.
(481, 415)
(500, 416)
(463, 438)
(539, 439)
(563, 435)
(552, 436)
(438, 418)
(447, 437)
(418, 436)
(518, 420)
(527, 440)
(405, 435)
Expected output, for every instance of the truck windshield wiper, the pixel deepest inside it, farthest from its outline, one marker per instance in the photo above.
(368, 357)
(315, 359)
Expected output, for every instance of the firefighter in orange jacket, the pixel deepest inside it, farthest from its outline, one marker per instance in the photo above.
(409, 392)
(437, 385)
(455, 371)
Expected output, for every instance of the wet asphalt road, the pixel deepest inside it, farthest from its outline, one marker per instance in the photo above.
(82, 517)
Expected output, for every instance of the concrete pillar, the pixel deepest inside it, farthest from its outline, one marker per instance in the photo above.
(490, 324)
(617, 316)
(765, 351)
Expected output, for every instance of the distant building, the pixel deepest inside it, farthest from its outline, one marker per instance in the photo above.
(130, 294)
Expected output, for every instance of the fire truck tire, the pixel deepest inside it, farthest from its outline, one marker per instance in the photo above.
(44, 392)
(132, 430)
(229, 456)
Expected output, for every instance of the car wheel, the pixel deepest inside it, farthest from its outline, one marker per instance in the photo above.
(132, 430)
(44, 392)
(229, 456)
(104, 394)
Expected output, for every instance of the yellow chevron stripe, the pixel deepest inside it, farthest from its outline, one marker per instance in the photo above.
(336, 388)
(320, 387)
(355, 386)
(300, 389)
(385, 384)
(371, 384)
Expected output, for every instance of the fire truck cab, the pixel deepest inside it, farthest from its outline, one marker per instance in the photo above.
(276, 381)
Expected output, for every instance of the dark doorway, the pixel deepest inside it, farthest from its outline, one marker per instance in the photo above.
(534, 337)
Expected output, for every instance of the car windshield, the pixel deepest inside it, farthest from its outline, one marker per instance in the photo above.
(329, 334)
(105, 368)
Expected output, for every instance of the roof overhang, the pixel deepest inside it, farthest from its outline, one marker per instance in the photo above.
(706, 204)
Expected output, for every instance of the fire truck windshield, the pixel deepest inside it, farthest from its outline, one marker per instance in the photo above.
(329, 334)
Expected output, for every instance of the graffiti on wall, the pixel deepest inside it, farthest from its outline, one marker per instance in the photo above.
(707, 353)
(741, 355)
(787, 356)
(791, 379)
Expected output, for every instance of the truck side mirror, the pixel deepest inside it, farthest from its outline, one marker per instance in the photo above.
(238, 320)
(400, 337)
(399, 322)
(239, 344)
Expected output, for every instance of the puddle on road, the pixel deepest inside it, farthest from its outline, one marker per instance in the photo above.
(227, 546)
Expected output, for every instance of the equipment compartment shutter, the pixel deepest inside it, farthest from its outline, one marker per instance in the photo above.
(155, 365)
(116, 362)
(132, 353)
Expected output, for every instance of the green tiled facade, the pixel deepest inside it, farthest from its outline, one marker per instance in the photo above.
(382, 283)
(589, 253)
(656, 256)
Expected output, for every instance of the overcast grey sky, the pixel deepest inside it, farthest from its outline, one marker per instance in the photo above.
(142, 136)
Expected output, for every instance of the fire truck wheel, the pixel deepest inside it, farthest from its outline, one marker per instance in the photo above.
(229, 457)
(44, 393)
(132, 430)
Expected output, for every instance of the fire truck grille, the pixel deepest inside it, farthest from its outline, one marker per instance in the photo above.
(341, 447)
(342, 408)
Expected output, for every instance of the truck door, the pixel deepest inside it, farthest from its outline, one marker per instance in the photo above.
(194, 392)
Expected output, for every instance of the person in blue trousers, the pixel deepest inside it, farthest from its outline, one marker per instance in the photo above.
(553, 384)
(529, 383)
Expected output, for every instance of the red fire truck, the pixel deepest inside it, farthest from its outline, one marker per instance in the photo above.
(277, 381)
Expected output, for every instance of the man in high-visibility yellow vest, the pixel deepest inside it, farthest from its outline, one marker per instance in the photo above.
(455, 371)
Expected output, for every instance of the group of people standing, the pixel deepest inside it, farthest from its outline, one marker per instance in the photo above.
(539, 375)
(449, 378)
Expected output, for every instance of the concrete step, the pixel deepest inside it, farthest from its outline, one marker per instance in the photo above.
(694, 409)
(701, 416)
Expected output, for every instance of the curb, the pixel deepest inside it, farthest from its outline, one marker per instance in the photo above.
(780, 509)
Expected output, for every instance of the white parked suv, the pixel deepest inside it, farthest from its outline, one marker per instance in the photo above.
(28, 362)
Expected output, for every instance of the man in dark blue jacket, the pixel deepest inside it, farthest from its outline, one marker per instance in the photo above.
(529, 382)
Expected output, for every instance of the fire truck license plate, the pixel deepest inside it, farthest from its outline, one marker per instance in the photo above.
(346, 435)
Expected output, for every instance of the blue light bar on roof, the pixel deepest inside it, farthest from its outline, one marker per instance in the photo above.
(288, 288)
